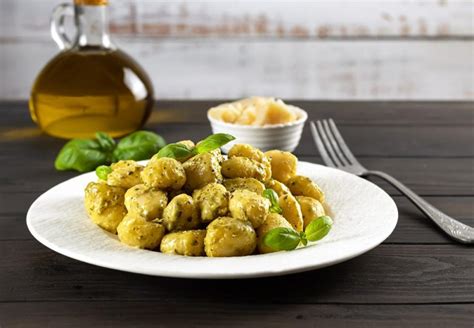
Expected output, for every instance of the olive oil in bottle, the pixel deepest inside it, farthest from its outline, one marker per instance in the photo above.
(90, 85)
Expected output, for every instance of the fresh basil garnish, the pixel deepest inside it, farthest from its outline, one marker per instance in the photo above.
(181, 152)
(212, 142)
(318, 228)
(103, 171)
(286, 239)
(85, 155)
(138, 146)
(271, 195)
(81, 155)
(105, 141)
(282, 239)
(177, 151)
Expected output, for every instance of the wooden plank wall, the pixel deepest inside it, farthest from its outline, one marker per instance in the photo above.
(399, 49)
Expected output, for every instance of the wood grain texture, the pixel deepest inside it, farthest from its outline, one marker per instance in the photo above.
(196, 314)
(260, 19)
(209, 68)
(367, 141)
(418, 277)
(418, 274)
(419, 113)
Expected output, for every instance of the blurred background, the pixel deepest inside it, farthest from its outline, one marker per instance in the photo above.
(345, 50)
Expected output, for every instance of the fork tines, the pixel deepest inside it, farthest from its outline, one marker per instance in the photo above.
(332, 147)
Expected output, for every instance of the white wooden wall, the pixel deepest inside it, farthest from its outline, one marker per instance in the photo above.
(399, 49)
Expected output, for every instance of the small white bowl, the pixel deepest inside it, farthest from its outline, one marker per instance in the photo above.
(277, 136)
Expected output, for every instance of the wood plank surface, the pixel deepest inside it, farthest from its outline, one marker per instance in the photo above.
(306, 69)
(196, 314)
(417, 277)
(402, 274)
(223, 19)
(420, 113)
(370, 140)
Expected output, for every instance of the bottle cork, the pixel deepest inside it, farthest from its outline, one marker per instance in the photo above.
(91, 2)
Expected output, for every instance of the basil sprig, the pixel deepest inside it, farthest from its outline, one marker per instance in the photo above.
(181, 152)
(286, 239)
(138, 146)
(212, 142)
(273, 197)
(85, 155)
(103, 171)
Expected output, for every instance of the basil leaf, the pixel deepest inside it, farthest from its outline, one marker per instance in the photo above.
(80, 155)
(303, 238)
(103, 171)
(177, 151)
(318, 228)
(138, 146)
(282, 239)
(213, 141)
(273, 197)
(105, 141)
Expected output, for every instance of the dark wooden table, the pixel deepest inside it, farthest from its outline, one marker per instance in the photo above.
(417, 277)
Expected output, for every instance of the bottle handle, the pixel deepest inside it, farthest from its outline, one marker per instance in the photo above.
(58, 31)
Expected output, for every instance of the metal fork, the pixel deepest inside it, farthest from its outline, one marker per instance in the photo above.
(335, 153)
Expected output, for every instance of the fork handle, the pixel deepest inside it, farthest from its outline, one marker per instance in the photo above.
(455, 229)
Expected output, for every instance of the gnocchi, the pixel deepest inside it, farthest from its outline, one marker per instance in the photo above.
(227, 236)
(205, 204)
(249, 206)
(304, 186)
(145, 201)
(187, 243)
(164, 173)
(105, 205)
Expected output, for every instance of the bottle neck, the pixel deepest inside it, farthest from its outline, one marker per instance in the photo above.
(92, 26)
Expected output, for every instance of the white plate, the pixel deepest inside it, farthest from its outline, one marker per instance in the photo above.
(364, 216)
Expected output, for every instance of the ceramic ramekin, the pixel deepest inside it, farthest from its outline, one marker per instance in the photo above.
(279, 136)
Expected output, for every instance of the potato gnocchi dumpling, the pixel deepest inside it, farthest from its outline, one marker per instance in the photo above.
(310, 208)
(201, 170)
(244, 183)
(250, 152)
(246, 150)
(187, 243)
(145, 201)
(212, 201)
(164, 173)
(125, 174)
(227, 236)
(205, 204)
(105, 205)
(249, 206)
(291, 211)
(283, 164)
(135, 231)
(181, 214)
(279, 187)
(272, 221)
(243, 167)
(304, 186)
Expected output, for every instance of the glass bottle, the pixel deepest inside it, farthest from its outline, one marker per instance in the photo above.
(90, 85)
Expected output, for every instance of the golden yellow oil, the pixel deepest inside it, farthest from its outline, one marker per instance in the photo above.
(80, 92)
